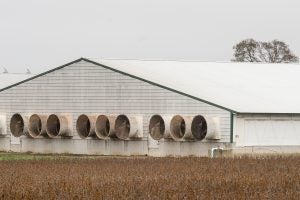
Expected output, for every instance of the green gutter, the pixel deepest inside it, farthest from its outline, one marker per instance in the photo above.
(231, 127)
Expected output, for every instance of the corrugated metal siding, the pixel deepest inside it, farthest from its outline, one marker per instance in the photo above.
(86, 88)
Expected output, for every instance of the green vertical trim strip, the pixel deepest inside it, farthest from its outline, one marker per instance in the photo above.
(231, 127)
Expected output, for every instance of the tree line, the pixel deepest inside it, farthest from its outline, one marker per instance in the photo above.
(275, 51)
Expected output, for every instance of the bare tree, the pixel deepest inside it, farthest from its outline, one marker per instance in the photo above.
(276, 51)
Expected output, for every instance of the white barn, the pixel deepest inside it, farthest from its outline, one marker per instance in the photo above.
(246, 107)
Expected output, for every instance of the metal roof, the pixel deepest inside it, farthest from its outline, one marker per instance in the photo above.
(236, 87)
(8, 79)
(239, 87)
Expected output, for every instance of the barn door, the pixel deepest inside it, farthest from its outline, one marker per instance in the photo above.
(271, 132)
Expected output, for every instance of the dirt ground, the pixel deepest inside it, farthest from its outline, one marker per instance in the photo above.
(94, 177)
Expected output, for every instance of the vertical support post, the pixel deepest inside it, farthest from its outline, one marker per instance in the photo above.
(231, 127)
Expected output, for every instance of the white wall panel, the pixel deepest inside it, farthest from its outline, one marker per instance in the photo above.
(267, 131)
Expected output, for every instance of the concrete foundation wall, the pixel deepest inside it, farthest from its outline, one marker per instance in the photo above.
(88, 146)
(108, 147)
(186, 148)
(137, 147)
(257, 150)
(5, 144)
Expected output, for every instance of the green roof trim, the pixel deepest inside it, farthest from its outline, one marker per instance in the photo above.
(231, 127)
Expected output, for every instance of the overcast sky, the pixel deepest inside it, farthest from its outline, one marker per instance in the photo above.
(42, 34)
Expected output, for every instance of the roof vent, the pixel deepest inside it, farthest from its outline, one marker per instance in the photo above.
(5, 70)
(28, 71)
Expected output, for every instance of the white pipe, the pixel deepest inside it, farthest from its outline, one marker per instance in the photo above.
(212, 154)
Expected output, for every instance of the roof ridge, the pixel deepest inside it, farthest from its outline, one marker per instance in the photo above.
(194, 61)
